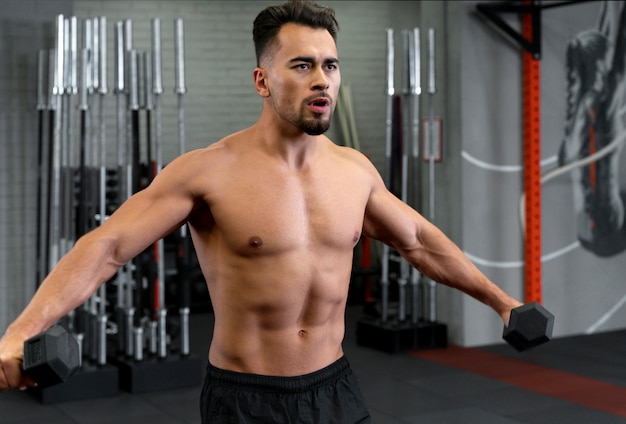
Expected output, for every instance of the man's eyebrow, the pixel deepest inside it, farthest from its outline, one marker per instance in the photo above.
(308, 59)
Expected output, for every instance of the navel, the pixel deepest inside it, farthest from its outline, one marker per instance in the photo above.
(302, 333)
(255, 242)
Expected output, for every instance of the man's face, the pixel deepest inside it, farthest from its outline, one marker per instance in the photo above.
(303, 77)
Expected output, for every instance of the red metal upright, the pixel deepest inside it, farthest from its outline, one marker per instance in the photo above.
(532, 169)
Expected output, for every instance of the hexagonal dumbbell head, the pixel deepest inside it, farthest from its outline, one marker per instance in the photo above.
(530, 325)
(51, 357)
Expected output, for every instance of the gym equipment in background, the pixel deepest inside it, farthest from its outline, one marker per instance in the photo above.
(409, 322)
(125, 336)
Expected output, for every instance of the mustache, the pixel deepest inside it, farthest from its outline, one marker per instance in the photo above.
(321, 94)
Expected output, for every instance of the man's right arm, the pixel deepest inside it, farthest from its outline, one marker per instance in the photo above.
(144, 218)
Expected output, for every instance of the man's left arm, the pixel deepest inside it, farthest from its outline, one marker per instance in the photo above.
(429, 250)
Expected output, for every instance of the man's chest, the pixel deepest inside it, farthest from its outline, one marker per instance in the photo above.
(275, 213)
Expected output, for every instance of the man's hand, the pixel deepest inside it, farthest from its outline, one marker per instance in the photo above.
(506, 313)
(11, 359)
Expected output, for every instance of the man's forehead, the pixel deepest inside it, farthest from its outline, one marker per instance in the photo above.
(300, 40)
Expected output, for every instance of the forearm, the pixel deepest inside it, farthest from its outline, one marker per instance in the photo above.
(76, 277)
(437, 257)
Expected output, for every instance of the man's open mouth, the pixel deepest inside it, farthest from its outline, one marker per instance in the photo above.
(321, 102)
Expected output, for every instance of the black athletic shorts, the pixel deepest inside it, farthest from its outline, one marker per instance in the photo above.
(330, 395)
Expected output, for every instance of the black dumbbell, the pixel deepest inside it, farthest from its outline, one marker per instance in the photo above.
(51, 357)
(530, 325)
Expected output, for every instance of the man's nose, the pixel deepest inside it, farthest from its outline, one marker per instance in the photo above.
(319, 80)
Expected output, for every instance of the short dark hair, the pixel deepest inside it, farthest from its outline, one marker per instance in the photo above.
(303, 12)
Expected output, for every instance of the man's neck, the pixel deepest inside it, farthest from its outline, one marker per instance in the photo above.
(290, 145)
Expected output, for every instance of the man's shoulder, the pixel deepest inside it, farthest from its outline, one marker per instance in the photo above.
(215, 152)
(354, 156)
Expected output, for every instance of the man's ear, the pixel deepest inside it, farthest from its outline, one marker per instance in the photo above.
(260, 82)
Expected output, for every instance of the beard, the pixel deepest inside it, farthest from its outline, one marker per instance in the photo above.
(314, 126)
(306, 121)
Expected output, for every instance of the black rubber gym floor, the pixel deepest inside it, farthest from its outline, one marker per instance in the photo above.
(570, 380)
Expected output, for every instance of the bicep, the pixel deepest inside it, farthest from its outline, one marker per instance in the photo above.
(390, 220)
(149, 215)
(386, 217)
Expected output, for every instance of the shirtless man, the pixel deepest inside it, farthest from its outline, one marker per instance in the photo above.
(275, 212)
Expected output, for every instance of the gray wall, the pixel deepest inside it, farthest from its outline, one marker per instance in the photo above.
(478, 97)
(220, 59)
(25, 27)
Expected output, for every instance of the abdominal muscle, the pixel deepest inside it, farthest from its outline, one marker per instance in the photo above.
(279, 316)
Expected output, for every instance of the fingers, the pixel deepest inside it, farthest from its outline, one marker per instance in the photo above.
(27, 382)
(4, 384)
(5, 375)
(11, 375)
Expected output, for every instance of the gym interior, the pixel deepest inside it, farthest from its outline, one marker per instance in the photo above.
(471, 110)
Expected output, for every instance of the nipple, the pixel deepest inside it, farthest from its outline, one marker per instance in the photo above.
(356, 237)
(255, 242)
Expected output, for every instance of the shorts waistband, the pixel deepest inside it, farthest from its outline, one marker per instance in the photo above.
(278, 384)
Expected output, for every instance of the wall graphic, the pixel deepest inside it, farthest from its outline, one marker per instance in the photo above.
(583, 113)
(595, 125)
